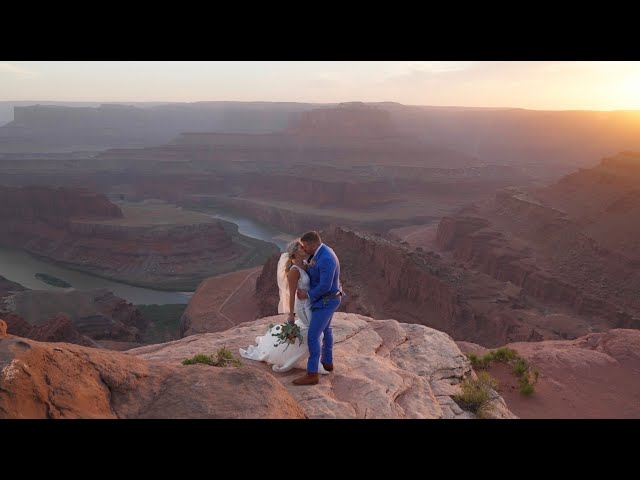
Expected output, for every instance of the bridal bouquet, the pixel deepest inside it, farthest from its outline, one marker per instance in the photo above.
(286, 333)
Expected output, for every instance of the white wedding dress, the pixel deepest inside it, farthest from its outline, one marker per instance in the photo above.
(286, 356)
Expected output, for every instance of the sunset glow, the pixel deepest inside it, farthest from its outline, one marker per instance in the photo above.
(532, 85)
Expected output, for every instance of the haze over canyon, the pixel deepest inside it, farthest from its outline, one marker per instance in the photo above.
(134, 236)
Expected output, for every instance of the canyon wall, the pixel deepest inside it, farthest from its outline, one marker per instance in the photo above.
(117, 125)
(53, 205)
(382, 278)
(347, 119)
(546, 253)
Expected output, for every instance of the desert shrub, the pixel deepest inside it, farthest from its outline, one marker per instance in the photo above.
(505, 355)
(480, 363)
(526, 387)
(520, 368)
(476, 394)
(199, 358)
(488, 380)
(473, 358)
(508, 356)
(486, 360)
(222, 358)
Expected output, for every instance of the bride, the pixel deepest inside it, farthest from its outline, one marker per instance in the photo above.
(291, 275)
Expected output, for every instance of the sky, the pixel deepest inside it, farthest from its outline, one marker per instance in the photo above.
(613, 85)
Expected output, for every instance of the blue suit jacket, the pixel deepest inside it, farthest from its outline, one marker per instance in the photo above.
(324, 274)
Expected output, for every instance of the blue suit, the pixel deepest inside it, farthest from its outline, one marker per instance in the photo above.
(324, 274)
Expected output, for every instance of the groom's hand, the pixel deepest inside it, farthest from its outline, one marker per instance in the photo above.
(302, 294)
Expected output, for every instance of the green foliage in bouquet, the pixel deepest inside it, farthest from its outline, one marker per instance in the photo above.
(287, 333)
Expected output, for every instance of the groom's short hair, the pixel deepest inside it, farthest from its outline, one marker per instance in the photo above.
(311, 236)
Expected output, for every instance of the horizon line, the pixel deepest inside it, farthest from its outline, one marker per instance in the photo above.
(125, 102)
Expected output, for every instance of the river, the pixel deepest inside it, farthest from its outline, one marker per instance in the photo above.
(251, 228)
(18, 266)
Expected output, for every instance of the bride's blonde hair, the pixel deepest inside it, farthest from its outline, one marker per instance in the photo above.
(292, 248)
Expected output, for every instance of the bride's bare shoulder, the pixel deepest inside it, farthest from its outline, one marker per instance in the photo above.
(293, 273)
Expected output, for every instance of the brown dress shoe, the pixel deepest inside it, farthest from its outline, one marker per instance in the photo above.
(328, 367)
(308, 379)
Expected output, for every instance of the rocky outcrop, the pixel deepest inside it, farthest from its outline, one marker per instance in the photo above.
(383, 369)
(57, 329)
(60, 380)
(594, 376)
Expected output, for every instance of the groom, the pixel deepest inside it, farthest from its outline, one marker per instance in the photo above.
(325, 295)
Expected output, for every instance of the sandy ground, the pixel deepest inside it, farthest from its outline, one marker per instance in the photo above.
(600, 392)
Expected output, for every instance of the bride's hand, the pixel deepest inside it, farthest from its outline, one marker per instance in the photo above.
(291, 318)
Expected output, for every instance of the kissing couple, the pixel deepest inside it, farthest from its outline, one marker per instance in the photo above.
(308, 276)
